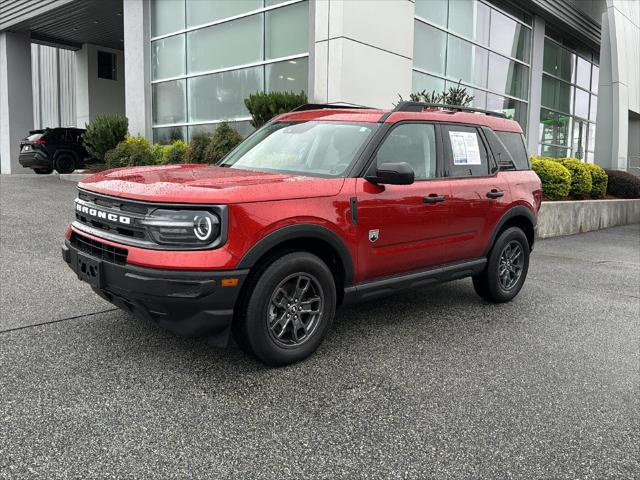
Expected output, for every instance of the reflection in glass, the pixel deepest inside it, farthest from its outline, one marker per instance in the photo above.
(595, 78)
(221, 96)
(426, 82)
(554, 127)
(509, 37)
(167, 135)
(287, 76)
(433, 10)
(556, 94)
(167, 57)
(593, 109)
(206, 11)
(583, 73)
(513, 109)
(466, 62)
(429, 48)
(554, 152)
(243, 127)
(507, 76)
(557, 60)
(471, 20)
(238, 42)
(287, 31)
(167, 16)
(169, 105)
(579, 142)
(582, 103)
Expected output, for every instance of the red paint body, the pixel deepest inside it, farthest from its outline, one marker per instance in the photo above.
(414, 235)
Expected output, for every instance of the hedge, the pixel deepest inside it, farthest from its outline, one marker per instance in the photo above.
(598, 180)
(555, 178)
(623, 184)
(581, 183)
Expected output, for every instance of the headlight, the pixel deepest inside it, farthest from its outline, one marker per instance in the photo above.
(182, 227)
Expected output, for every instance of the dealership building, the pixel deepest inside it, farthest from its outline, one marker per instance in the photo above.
(567, 70)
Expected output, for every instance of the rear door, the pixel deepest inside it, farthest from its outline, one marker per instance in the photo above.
(404, 227)
(479, 193)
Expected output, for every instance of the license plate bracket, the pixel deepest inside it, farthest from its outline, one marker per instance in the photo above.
(89, 270)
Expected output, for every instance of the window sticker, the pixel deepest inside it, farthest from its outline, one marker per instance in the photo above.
(465, 148)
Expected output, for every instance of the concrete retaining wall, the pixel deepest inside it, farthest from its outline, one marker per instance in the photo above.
(569, 217)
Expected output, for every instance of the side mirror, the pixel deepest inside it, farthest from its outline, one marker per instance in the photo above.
(399, 173)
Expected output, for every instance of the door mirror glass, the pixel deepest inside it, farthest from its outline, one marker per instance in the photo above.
(398, 173)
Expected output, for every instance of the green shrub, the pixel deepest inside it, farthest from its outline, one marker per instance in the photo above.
(104, 133)
(197, 148)
(174, 153)
(581, 184)
(555, 178)
(598, 180)
(623, 184)
(223, 140)
(264, 106)
(133, 151)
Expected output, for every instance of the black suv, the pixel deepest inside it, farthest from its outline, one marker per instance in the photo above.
(53, 148)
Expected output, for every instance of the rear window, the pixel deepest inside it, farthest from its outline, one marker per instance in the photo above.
(35, 136)
(515, 146)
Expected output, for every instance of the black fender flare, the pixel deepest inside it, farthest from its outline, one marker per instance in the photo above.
(300, 231)
(61, 151)
(517, 211)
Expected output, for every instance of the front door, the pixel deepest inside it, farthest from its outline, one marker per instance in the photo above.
(403, 227)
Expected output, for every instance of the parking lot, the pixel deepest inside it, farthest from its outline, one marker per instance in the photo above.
(428, 384)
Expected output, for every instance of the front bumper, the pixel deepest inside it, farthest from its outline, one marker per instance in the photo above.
(191, 303)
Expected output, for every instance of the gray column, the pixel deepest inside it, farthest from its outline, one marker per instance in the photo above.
(137, 66)
(16, 98)
(535, 82)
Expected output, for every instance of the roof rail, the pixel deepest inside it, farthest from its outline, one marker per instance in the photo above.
(320, 106)
(420, 106)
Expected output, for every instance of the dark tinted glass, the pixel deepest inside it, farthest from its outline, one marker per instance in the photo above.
(107, 65)
(515, 145)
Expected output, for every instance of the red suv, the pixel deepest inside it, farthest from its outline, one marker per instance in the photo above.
(322, 206)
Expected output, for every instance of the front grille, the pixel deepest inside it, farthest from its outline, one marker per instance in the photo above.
(117, 206)
(100, 250)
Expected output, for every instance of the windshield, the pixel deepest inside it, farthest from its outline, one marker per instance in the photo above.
(324, 149)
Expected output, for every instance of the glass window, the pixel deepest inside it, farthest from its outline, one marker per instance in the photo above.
(324, 149)
(107, 65)
(467, 155)
(583, 73)
(507, 76)
(167, 16)
(513, 109)
(287, 76)
(287, 31)
(205, 11)
(243, 127)
(591, 139)
(466, 61)
(557, 60)
(593, 109)
(470, 19)
(221, 95)
(582, 103)
(168, 135)
(579, 142)
(554, 127)
(556, 94)
(429, 83)
(413, 143)
(169, 105)
(509, 37)
(516, 148)
(238, 42)
(167, 57)
(433, 10)
(429, 48)
(554, 152)
(595, 78)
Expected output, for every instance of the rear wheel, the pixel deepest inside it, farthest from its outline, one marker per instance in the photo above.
(65, 163)
(43, 171)
(288, 309)
(506, 269)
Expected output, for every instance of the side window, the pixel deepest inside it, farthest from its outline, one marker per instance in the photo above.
(414, 143)
(467, 156)
(514, 142)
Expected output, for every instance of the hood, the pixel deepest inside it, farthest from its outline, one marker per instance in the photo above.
(207, 184)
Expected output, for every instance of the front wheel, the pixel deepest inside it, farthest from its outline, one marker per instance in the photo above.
(506, 269)
(287, 310)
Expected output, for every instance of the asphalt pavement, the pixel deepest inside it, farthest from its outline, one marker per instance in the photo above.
(432, 383)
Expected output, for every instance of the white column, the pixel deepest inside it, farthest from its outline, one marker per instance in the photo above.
(362, 52)
(535, 95)
(137, 66)
(16, 98)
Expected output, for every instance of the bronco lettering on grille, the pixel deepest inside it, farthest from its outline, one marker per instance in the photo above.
(94, 212)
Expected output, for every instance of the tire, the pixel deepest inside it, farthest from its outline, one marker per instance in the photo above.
(43, 171)
(509, 256)
(65, 163)
(272, 316)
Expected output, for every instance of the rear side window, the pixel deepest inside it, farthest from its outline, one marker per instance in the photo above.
(514, 142)
(466, 153)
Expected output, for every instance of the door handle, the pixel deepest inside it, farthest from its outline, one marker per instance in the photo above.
(495, 194)
(434, 198)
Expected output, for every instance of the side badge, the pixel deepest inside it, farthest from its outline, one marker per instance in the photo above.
(374, 235)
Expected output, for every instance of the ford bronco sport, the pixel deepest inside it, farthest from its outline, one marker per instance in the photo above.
(322, 206)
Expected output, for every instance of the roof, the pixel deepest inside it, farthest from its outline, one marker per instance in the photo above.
(376, 115)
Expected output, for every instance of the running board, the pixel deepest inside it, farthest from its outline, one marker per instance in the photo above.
(390, 285)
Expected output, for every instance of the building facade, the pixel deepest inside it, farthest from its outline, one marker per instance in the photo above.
(567, 70)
